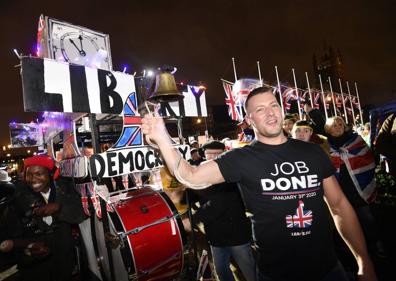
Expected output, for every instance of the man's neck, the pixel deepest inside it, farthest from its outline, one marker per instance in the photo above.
(272, 140)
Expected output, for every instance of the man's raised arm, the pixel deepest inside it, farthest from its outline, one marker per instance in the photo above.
(206, 174)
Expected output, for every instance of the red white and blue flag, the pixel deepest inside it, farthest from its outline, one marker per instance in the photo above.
(301, 219)
(243, 87)
(359, 160)
(234, 106)
(132, 131)
(288, 95)
(316, 99)
(338, 100)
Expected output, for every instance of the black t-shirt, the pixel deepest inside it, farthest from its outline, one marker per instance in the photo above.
(282, 188)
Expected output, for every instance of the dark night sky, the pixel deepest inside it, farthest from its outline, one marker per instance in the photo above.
(200, 37)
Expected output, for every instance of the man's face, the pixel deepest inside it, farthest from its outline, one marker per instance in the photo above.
(211, 154)
(195, 156)
(288, 125)
(195, 145)
(303, 134)
(265, 115)
(37, 178)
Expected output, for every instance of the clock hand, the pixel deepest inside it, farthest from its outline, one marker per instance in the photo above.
(80, 38)
(81, 52)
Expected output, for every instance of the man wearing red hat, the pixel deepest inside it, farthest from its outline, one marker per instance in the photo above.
(36, 229)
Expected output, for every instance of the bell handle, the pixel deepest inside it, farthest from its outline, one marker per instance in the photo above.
(155, 106)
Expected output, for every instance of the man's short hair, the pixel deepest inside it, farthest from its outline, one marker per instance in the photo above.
(213, 145)
(193, 150)
(257, 91)
(289, 116)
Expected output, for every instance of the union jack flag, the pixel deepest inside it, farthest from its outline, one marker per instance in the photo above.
(301, 219)
(234, 107)
(355, 102)
(348, 105)
(338, 100)
(328, 100)
(132, 131)
(306, 96)
(316, 99)
(90, 193)
(288, 95)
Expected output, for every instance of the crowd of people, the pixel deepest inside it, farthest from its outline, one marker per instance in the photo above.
(292, 178)
(271, 207)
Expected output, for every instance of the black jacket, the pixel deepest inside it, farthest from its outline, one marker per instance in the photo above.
(223, 214)
(386, 141)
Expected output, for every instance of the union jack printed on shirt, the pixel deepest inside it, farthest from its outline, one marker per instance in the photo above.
(301, 219)
(234, 107)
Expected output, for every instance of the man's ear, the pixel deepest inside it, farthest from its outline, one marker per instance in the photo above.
(248, 120)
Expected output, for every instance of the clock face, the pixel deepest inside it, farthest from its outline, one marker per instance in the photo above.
(79, 45)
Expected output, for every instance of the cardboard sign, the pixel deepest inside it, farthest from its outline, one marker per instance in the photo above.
(49, 85)
(192, 105)
(127, 160)
(76, 167)
(26, 135)
(54, 86)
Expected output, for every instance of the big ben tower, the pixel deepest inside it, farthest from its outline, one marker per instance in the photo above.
(329, 64)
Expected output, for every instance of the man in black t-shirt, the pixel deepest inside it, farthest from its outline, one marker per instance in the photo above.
(283, 182)
(227, 228)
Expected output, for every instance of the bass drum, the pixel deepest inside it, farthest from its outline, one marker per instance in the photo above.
(154, 238)
(96, 255)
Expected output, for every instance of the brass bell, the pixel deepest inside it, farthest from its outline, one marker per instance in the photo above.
(165, 87)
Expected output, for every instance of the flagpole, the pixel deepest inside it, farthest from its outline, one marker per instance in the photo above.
(259, 73)
(323, 98)
(309, 90)
(332, 96)
(298, 96)
(233, 64)
(350, 100)
(279, 89)
(223, 80)
(360, 108)
(343, 101)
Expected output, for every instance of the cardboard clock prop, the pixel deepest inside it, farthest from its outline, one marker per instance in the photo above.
(70, 43)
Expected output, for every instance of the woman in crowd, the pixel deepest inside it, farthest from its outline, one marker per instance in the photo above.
(355, 167)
